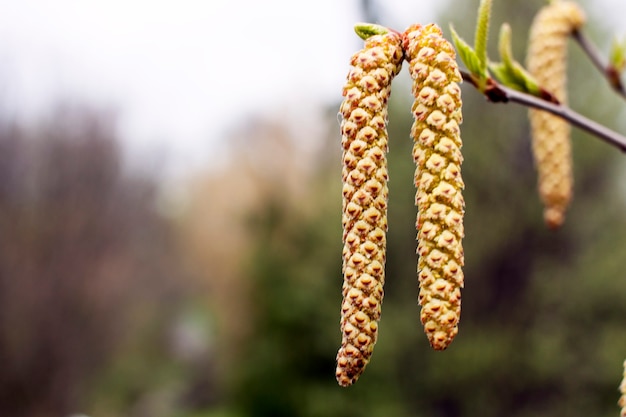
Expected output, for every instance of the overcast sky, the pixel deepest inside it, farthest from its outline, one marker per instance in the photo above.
(181, 73)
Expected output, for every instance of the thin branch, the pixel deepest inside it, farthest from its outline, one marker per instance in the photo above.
(608, 70)
(571, 116)
(498, 93)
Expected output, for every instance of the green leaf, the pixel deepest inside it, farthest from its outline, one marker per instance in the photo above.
(504, 45)
(367, 30)
(467, 54)
(618, 55)
(503, 75)
(482, 33)
(510, 72)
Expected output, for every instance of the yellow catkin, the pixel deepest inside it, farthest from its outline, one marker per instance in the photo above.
(365, 193)
(547, 62)
(437, 154)
(622, 390)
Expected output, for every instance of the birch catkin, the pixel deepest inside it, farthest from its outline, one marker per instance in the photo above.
(364, 142)
(547, 62)
(437, 154)
(622, 390)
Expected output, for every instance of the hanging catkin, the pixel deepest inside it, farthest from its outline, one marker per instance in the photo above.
(437, 154)
(365, 144)
(547, 62)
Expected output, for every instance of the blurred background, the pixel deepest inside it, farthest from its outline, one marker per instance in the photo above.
(170, 227)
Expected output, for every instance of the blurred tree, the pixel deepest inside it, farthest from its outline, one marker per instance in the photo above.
(84, 260)
(543, 326)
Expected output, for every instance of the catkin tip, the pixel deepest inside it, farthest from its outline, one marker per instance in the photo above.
(554, 217)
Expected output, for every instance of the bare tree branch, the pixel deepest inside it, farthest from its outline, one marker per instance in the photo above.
(608, 70)
(498, 93)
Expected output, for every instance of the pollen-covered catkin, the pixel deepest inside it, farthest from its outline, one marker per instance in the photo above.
(365, 192)
(622, 390)
(547, 62)
(437, 154)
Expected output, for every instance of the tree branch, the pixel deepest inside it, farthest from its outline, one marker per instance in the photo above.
(609, 72)
(498, 93)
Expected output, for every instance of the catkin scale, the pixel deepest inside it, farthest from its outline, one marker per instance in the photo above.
(365, 194)
(547, 62)
(438, 158)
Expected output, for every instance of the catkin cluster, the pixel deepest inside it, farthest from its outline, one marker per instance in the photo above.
(546, 61)
(365, 144)
(622, 390)
(437, 154)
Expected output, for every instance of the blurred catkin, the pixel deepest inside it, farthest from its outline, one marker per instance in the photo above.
(437, 154)
(622, 390)
(547, 62)
(365, 192)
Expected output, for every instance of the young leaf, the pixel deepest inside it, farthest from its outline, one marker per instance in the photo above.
(503, 74)
(367, 30)
(504, 45)
(618, 55)
(482, 33)
(469, 58)
(509, 71)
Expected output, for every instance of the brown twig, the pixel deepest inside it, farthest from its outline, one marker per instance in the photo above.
(608, 70)
(498, 93)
